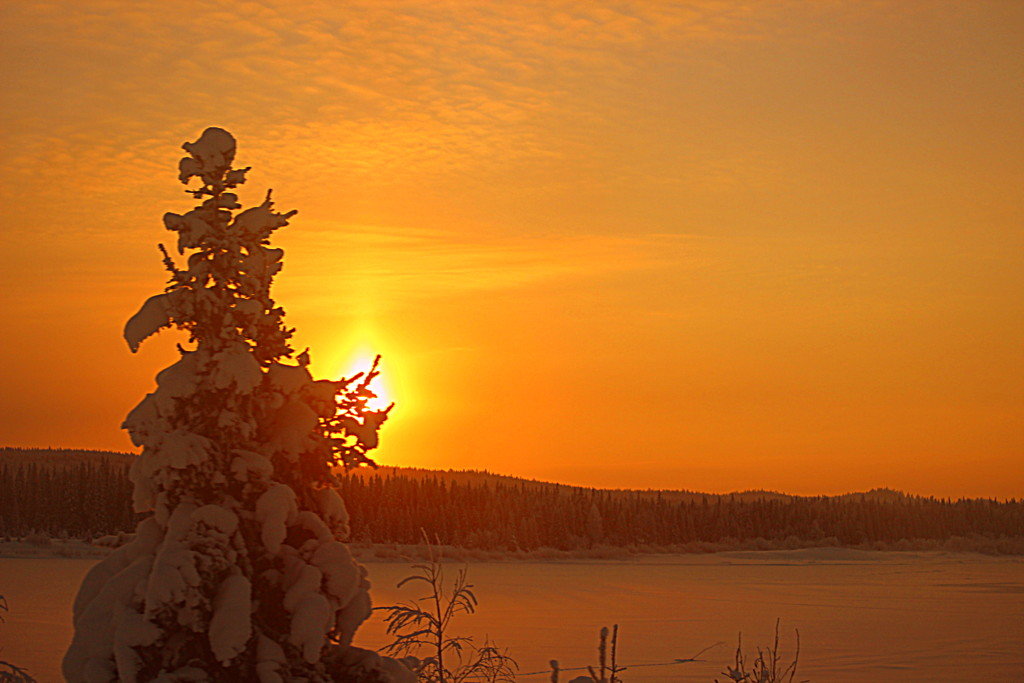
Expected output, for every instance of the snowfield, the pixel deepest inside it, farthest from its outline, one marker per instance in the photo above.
(863, 616)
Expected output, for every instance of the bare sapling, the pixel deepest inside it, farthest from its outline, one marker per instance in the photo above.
(423, 626)
(767, 667)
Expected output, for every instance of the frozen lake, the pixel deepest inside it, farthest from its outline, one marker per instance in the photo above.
(863, 616)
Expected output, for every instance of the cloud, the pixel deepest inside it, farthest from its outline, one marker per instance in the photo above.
(355, 266)
(99, 87)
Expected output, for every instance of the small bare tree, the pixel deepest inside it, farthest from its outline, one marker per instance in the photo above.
(424, 625)
(767, 667)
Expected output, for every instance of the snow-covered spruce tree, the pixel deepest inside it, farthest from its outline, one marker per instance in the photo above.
(238, 573)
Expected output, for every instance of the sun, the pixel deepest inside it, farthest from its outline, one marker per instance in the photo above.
(352, 351)
(362, 361)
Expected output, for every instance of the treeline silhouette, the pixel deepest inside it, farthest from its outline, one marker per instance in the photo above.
(85, 495)
(88, 494)
(394, 508)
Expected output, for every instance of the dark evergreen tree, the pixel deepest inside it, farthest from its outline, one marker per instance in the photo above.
(238, 571)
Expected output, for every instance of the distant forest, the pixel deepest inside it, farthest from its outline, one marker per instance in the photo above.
(64, 493)
(83, 493)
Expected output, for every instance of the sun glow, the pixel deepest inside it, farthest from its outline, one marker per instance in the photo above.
(345, 350)
(362, 362)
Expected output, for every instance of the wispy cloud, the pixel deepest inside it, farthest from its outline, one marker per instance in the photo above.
(387, 268)
(99, 87)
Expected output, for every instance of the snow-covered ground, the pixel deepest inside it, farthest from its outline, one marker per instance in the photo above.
(863, 616)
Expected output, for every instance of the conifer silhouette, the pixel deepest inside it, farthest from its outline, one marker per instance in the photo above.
(238, 572)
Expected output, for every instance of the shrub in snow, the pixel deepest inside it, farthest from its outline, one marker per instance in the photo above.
(239, 572)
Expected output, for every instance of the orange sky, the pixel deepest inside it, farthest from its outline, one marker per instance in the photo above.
(708, 245)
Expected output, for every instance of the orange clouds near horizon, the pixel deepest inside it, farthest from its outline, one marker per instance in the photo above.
(706, 245)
